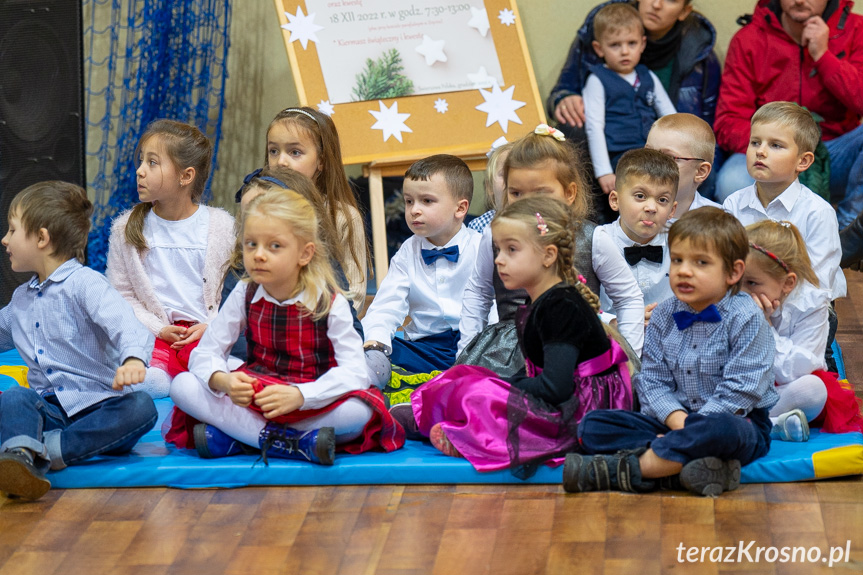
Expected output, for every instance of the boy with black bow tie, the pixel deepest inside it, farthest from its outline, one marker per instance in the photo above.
(428, 274)
(706, 381)
(645, 191)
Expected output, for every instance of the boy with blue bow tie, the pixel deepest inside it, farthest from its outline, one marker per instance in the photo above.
(428, 274)
(706, 384)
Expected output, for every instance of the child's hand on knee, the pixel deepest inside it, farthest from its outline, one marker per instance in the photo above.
(192, 334)
(131, 372)
(237, 385)
(276, 400)
(172, 333)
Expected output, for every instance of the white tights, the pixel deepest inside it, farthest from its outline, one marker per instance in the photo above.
(243, 424)
(807, 393)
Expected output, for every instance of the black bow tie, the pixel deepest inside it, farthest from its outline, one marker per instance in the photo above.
(635, 254)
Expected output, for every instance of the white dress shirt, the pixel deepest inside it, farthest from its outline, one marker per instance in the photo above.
(814, 217)
(594, 113)
(350, 373)
(800, 330)
(609, 266)
(430, 294)
(652, 277)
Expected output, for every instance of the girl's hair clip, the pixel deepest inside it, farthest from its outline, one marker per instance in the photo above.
(783, 223)
(541, 225)
(583, 280)
(502, 141)
(771, 255)
(546, 130)
(256, 174)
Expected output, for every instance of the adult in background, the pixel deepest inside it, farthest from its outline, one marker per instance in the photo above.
(679, 51)
(804, 51)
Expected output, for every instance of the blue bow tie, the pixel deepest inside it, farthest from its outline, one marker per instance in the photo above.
(450, 253)
(684, 319)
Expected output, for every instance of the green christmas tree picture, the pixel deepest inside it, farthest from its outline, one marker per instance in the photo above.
(382, 78)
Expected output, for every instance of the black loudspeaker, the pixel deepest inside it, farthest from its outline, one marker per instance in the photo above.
(41, 104)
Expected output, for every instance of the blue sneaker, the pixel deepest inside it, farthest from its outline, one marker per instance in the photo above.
(315, 445)
(211, 442)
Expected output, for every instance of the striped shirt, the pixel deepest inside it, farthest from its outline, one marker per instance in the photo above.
(73, 331)
(724, 367)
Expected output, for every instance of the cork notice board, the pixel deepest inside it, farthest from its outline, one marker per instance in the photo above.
(404, 79)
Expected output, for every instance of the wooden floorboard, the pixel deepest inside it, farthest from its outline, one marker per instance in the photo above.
(439, 530)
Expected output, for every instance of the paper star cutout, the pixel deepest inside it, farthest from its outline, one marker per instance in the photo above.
(479, 20)
(432, 50)
(441, 106)
(326, 108)
(500, 107)
(481, 79)
(302, 27)
(507, 17)
(390, 121)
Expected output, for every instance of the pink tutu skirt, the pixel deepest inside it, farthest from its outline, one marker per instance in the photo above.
(497, 426)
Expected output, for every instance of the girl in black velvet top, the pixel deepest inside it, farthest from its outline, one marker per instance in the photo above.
(572, 366)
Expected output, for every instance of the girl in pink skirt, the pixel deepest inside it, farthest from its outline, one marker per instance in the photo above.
(572, 366)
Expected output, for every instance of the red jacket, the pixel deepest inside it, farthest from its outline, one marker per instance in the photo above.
(764, 64)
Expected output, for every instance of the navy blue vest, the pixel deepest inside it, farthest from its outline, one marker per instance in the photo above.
(629, 111)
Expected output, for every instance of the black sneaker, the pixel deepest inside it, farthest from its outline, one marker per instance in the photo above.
(618, 472)
(404, 414)
(710, 476)
(19, 477)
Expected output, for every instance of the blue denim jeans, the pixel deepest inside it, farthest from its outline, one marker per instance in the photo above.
(846, 175)
(39, 423)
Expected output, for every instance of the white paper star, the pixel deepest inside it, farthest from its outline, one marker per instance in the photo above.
(326, 108)
(432, 50)
(479, 20)
(500, 107)
(441, 106)
(481, 79)
(506, 17)
(390, 121)
(302, 27)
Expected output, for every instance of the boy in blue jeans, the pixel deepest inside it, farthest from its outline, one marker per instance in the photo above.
(706, 384)
(73, 330)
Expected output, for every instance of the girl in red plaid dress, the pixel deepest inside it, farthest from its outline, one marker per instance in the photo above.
(304, 390)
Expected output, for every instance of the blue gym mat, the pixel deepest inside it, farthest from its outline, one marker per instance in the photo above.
(154, 464)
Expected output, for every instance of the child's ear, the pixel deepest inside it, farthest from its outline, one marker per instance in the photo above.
(549, 255)
(307, 253)
(461, 208)
(614, 201)
(597, 48)
(737, 269)
(673, 209)
(43, 238)
(790, 283)
(570, 192)
(187, 176)
(805, 161)
(704, 169)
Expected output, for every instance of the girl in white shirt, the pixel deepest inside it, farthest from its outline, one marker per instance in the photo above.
(543, 163)
(781, 280)
(304, 389)
(167, 255)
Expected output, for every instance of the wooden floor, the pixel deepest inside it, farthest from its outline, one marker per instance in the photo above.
(461, 529)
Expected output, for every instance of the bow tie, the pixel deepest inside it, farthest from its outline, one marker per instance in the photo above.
(684, 319)
(635, 254)
(450, 253)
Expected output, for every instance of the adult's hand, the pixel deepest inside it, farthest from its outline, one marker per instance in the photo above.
(570, 110)
(815, 37)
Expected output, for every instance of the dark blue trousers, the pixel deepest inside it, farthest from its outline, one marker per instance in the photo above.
(431, 353)
(719, 435)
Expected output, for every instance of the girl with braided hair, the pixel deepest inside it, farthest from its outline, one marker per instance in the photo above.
(780, 278)
(572, 366)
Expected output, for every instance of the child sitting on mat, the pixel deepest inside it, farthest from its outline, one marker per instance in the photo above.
(428, 274)
(706, 380)
(781, 281)
(572, 367)
(80, 340)
(304, 390)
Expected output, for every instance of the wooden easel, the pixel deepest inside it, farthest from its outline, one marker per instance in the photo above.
(375, 172)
